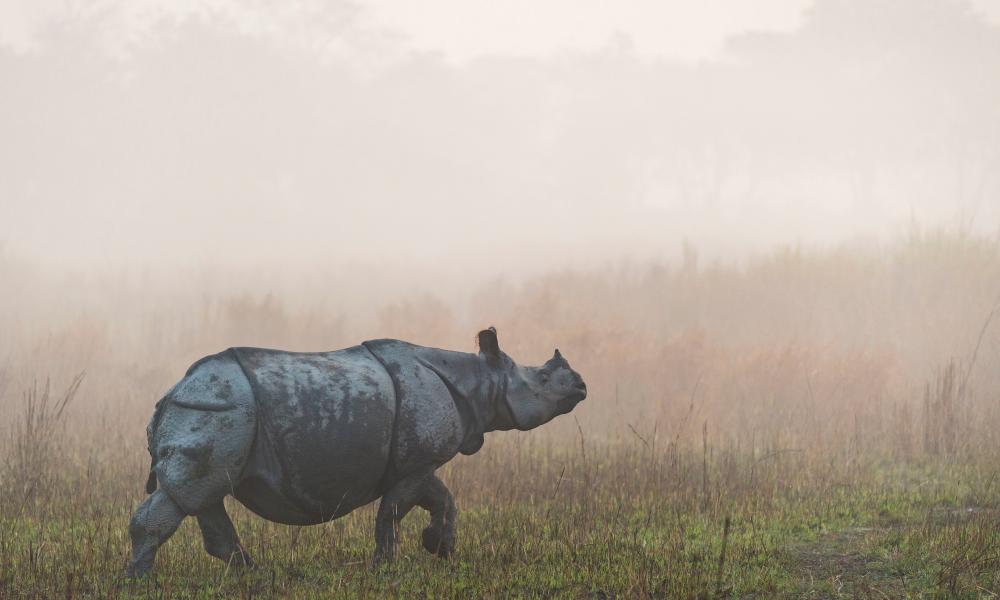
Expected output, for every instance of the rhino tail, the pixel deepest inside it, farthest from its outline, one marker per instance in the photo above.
(151, 480)
(154, 423)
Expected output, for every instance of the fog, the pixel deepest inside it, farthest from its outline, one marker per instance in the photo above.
(250, 135)
(766, 234)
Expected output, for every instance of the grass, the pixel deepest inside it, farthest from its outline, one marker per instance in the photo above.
(806, 528)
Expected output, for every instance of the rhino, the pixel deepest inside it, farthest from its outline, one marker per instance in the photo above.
(303, 438)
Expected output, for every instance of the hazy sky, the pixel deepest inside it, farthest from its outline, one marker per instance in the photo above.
(684, 29)
(465, 29)
(688, 29)
(243, 130)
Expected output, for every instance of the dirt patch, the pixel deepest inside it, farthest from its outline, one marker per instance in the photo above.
(841, 565)
(953, 516)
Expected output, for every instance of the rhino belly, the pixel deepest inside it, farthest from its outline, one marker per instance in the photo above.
(325, 423)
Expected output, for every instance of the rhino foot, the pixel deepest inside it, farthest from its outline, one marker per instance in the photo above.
(383, 556)
(153, 523)
(220, 537)
(135, 571)
(436, 542)
(439, 537)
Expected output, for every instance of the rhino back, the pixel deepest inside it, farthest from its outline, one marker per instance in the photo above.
(325, 425)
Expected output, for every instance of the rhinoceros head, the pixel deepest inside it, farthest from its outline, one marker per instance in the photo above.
(534, 395)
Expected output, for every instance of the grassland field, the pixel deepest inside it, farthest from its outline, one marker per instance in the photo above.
(807, 425)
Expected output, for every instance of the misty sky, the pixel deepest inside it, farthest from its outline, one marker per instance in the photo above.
(466, 29)
(490, 133)
(679, 29)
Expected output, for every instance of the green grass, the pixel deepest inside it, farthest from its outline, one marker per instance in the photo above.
(877, 530)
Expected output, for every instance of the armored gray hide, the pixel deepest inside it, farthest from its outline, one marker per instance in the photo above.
(335, 430)
(302, 438)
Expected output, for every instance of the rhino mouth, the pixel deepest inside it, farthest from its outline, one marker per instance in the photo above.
(567, 404)
(562, 406)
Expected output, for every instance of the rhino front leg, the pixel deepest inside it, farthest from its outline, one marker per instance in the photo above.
(153, 523)
(220, 536)
(439, 536)
(428, 492)
(396, 503)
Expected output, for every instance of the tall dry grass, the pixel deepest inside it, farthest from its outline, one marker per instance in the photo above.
(37, 444)
(851, 345)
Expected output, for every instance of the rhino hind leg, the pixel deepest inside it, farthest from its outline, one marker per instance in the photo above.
(220, 536)
(439, 537)
(424, 490)
(151, 525)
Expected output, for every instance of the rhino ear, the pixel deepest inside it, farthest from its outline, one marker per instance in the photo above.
(488, 342)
